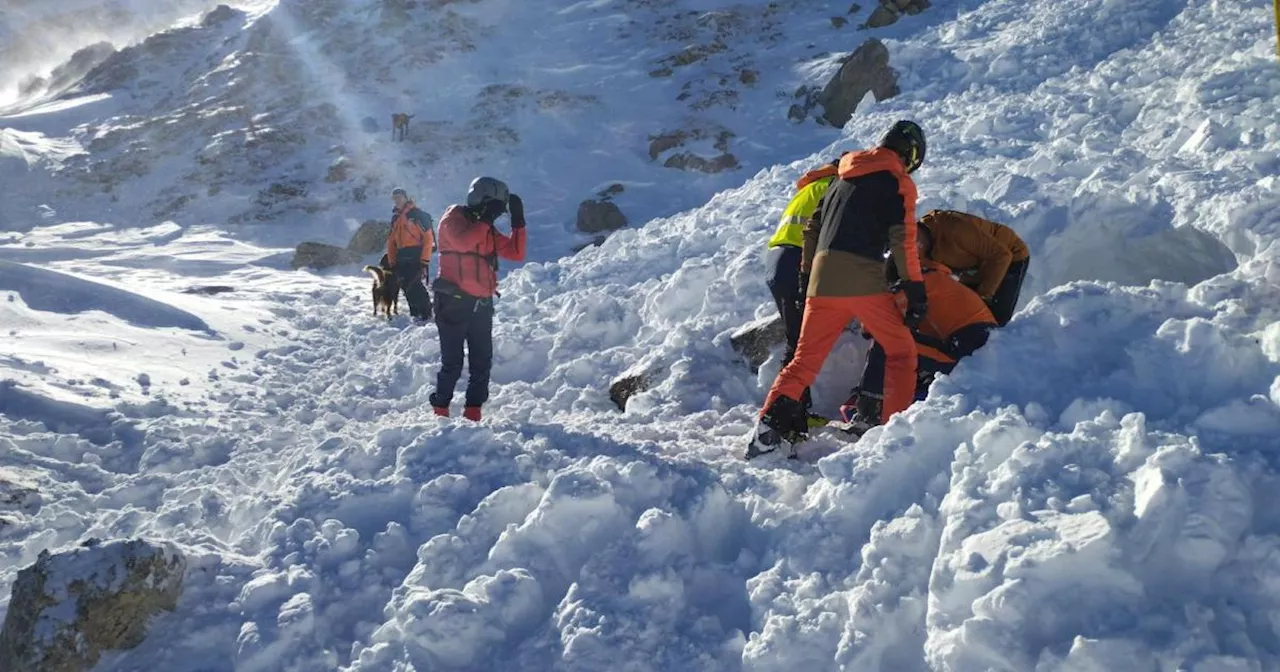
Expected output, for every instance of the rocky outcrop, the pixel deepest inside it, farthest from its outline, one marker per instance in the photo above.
(755, 341)
(371, 237)
(889, 11)
(67, 609)
(716, 161)
(865, 70)
(635, 380)
(320, 256)
(600, 216)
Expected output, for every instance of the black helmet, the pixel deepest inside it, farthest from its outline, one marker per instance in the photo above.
(399, 191)
(484, 189)
(907, 139)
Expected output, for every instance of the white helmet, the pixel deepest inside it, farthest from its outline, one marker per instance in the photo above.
(484, 189)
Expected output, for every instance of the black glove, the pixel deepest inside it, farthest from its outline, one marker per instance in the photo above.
(516, 207)
(917, 303)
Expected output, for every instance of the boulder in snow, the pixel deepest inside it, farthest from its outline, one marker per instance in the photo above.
(599, 216)
(635, 380)
(321, 255)
(717, 160)
(889, 11)
(371, 237)
(69, 608)
(755, 340)
(339, 170)
(865, 70)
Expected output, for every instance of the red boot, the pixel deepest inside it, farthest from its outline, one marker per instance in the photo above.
(442, 411)
(472, 413)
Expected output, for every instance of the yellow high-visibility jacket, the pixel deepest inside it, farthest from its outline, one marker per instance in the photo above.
(799, 210)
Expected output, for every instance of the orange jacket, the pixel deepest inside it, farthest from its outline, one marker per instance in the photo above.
(979, 250)
(409, 232)
(469, 251)
(952, 307)
(814, 175)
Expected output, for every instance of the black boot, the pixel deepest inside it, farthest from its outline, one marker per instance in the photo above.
(869, 408)
(784, 422)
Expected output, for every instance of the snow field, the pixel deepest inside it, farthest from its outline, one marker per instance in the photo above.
(1092, 491)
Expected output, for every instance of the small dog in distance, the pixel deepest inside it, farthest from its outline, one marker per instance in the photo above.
(400, 125)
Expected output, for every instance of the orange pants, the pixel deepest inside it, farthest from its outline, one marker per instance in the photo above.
(825, 317)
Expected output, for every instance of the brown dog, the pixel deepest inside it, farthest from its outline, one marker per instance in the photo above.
(386, 290)
(400, 123)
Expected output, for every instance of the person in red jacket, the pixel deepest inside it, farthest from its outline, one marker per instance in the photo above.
(466, 285)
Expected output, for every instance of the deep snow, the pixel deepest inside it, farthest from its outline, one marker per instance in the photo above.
(1092, 491)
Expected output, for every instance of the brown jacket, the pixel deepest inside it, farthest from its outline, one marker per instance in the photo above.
(979, 250)
(870, 209)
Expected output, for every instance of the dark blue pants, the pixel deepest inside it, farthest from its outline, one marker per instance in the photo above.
(784, 283)
(465, 326)
(412, 274)
(963, 343)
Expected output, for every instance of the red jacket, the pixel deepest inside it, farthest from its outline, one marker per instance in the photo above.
(469, 251)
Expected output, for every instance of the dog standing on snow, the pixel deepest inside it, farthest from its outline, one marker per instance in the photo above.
(400, 124)
(386, 289)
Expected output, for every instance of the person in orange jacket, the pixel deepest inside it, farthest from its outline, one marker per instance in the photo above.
(871, 208)
(989, 257)
(470, 246)
(409, 248)
(958, 323)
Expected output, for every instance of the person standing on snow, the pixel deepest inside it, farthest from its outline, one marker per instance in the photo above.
(470, 246)
(988, 257)
(409, 249)
(870, 209)
(958, 323)
(786, 249)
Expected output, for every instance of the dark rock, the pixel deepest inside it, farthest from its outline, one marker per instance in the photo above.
(881, 17)
(600, 216)
(865, 70)
(756, 340)
(321, 256)
(839, 22)
(371, 237)
(689, 161)
(629, 384)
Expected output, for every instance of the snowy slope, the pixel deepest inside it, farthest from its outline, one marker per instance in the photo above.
(270, 122)
(1092, 491)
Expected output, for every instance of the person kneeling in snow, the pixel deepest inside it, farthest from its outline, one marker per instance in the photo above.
(466, 285)
(988, 257)
(958, 323)
(871, 208)
(409, 249)
(786, 250)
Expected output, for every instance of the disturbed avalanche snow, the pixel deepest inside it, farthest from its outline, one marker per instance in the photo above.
(1094, 490)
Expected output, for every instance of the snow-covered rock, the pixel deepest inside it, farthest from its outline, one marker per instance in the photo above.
(70, 608)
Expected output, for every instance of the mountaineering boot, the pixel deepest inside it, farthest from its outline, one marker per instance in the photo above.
(440, 409)
(472, 413)
(784, 422)
(867, 413)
